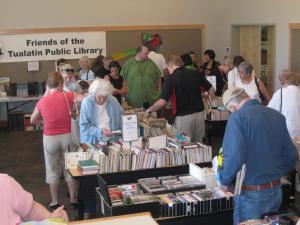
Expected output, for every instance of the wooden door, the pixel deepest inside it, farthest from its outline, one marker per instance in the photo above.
(250, 45)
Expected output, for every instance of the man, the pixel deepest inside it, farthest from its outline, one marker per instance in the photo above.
(183, 88)
(104, 69)
(159, 61)
(256, 136)
(142, 78)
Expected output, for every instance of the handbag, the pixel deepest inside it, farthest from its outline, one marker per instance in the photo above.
(75, 133)
(264, 100)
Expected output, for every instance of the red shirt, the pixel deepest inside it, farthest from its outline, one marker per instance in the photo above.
(55, 113)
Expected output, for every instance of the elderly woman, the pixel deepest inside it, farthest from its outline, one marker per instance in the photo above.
(253, 86)
(286, 101)
(86, 72)
(100, 113)
(54, 108)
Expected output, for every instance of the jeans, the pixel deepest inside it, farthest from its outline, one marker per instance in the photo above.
(252, 204)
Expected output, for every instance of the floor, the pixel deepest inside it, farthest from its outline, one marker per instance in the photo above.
(22, 158)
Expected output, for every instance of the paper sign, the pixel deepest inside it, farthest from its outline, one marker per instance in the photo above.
(130, 128)
(158, 142)
(33, 66)
(213, 80)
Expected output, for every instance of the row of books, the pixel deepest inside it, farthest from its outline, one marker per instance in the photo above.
(27, 89)
(197, 202)
(115, 157)
(170, 183)
(175, 204)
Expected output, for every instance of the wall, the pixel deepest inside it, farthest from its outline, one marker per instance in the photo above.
(218, 17)
(275, 12)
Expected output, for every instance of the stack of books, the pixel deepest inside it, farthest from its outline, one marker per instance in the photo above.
(88, 166)
(129, 194)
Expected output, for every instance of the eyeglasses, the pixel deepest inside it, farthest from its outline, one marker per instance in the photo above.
(68, 70)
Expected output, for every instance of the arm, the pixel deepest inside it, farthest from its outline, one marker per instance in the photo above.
(264, 89)
(160, 103)
(289, 152)
(35, 116)
(123, 90)
(234, 151)
(39, 212)
(212, 92)
(87, 129)
(275, 101)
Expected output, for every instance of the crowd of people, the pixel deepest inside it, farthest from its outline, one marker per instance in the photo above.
(256, 135)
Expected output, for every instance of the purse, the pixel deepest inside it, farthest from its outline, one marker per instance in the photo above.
(75, 133)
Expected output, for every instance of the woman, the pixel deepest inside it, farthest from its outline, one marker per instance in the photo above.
(17, 205)
(100, 113)
(86, 73)
(253, 86)
(53, 108)
(286, 101)
(210, 68)
(117, 81)
(233, 75)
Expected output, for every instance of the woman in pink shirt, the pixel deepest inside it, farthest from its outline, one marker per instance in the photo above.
(17, 205)
(54, 110)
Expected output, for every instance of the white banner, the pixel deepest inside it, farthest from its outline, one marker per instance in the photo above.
(51, 46)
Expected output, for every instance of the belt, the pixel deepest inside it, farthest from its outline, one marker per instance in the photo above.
(260, 187)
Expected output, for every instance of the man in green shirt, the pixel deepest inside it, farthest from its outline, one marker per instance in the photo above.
(142, 78)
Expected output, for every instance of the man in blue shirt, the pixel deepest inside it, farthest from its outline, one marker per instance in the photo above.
(256, 136)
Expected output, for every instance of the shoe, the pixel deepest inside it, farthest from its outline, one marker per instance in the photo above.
(53, 206)
(73, 206)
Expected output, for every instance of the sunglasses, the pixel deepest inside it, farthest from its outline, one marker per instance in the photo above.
(68, 70)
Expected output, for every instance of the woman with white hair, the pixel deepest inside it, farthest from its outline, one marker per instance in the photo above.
(86, 72)
(100, 113)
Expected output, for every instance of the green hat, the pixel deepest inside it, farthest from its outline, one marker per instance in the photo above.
(230, 93)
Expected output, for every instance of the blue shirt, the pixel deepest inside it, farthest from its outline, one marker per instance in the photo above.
(258, 137)
(89, 118)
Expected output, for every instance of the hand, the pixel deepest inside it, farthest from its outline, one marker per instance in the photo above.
(224, 188)
(106, 132)
(60, 213)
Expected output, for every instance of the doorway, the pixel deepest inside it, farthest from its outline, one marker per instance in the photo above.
(256, 43)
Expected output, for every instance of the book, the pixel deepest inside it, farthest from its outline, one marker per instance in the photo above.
(89, 164)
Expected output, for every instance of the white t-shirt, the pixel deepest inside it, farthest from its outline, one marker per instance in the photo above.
(251, 88)
(89, 75)
(103, 117)
(159, 60)
(290, 107)
(233, 76)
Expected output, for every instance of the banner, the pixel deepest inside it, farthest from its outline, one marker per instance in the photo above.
(51, 46)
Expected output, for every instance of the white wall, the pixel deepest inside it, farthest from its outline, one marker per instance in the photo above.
(217, 15)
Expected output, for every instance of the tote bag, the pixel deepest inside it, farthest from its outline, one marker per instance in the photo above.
(75, 134)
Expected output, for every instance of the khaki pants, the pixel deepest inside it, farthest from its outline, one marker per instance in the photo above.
(54, 152)
(192, 125)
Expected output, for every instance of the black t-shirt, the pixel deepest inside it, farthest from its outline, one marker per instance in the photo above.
(101, 72)
(117, 83)
(187, 90)
(214, 70)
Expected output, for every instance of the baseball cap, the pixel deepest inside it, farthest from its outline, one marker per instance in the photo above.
(230, 93)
